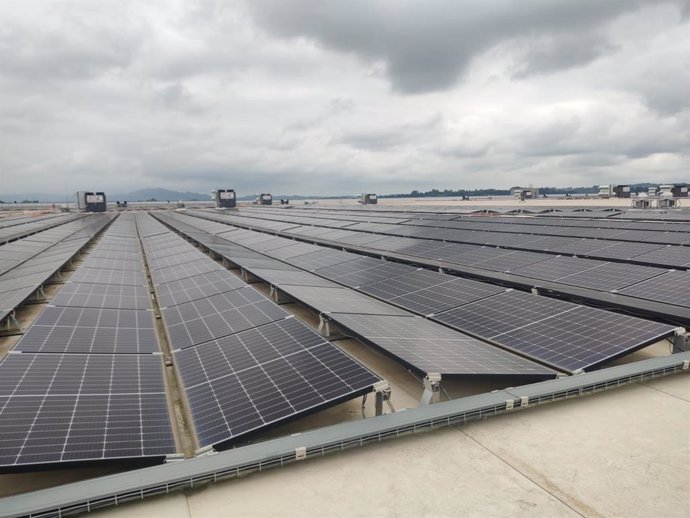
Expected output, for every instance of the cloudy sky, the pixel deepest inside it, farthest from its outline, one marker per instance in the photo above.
(333, 97)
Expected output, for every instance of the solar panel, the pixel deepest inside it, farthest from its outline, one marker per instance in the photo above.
(611, 276)
(678, 256)
(624, 250)
(339, 300)
(219, 315)
(88, 330)
(293, 250)
(196, 287)
(165, 261)
(453, 293)
(108, 276)
(182, 271)
(261, 377)
(404, 284)
(321, 259)
(671, 288)
(297, 278)
(112, 264)
(364, 271)
(557, 267)
(133, 254)
(59, 408)
(429, 347)
(510, 261)
(117, 296)
(565, 335)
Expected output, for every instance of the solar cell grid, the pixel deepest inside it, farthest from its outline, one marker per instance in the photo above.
(360, 272)
(453, 293)
(623, 250)
(197, 287)
(321, 259)
(58, 408)
(184, 270)
(117, 296)
(428, 347)
(219, 315)
(339, 300)
(677, 256)
(504, 311)
(611, 276)
(583, 338)
(165, 261)
(88, 330)
(671, 288)
(565, 335)
(557, 267)
(510, 261)
(404, 284)
(107, 276)
(262, 376)
(112, 264)
(298, 278)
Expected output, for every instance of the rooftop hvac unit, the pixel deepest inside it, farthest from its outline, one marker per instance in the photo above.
(91, 201)
(680, 191)
(641, 203)
(368, 199)
(225, 198)
(668, 203)
(265, 199)
(622, 191)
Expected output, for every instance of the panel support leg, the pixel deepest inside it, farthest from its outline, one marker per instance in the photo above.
(432, 388)
(383, 395)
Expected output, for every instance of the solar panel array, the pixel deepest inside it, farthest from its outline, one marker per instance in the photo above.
(341, 304)
(595, 275)
(245, 363)
(560, 341)
(22, 227)
(85, 382)
(30, 262)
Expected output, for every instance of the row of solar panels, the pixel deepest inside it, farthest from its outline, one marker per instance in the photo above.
(244, 362)
(27, 264)
(566, 336)
(431, 348)
(629, 280)
(605, 217)
(504, 222)
(10, 232)
(643, 247)
(86, 383)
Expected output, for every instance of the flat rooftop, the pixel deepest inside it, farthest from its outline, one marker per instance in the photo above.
(622, 452)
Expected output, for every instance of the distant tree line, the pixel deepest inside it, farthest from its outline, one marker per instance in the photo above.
(435, 193)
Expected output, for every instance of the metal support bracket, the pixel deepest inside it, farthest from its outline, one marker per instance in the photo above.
(249, 277)
(327, 329)
(278, 296)
(383, 395)
(432, 388)
(681, 340)
(206, 450)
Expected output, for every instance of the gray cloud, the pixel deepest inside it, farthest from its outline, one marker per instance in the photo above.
(426, 46)
(297, 98)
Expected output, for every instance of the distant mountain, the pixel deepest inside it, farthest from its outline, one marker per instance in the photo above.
(158, 195)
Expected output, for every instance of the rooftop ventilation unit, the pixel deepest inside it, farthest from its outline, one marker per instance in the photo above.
(264, 199)
(225, 198)
(91, 201)
(368, 199)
